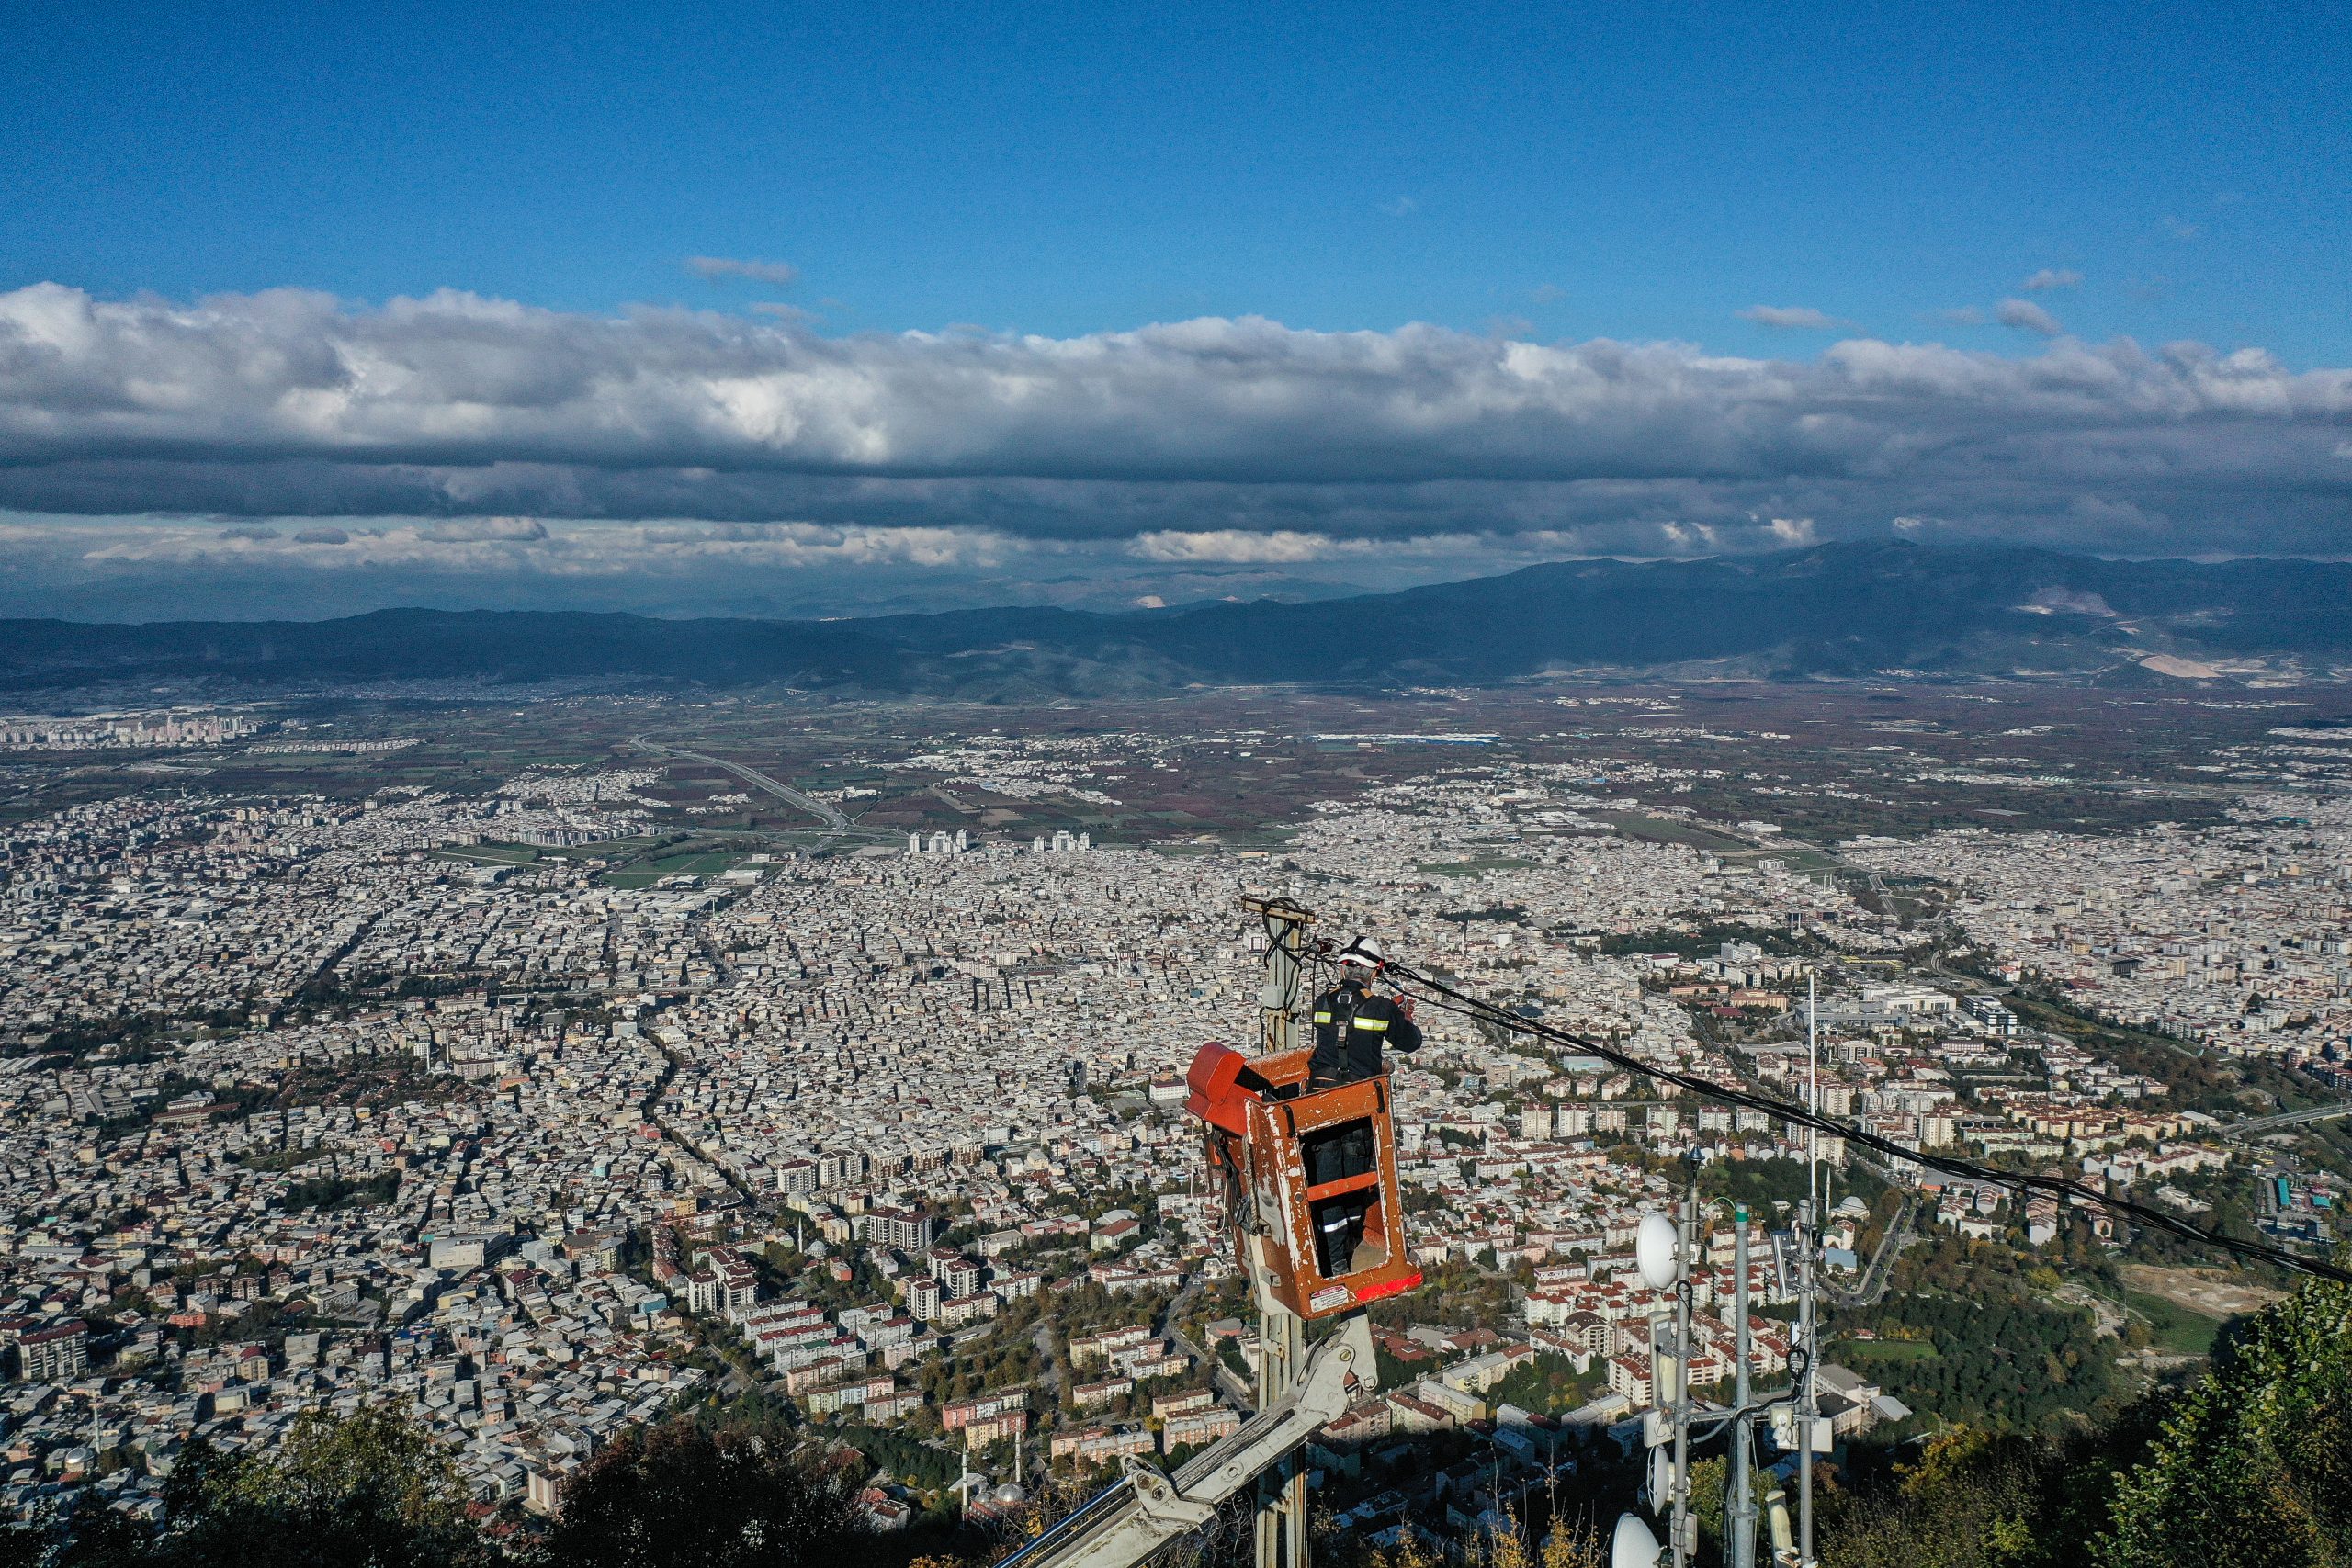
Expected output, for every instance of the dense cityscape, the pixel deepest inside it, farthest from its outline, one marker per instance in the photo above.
(546, 1100)
(1240, 785)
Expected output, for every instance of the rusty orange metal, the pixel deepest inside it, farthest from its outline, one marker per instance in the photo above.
(1310, 1175)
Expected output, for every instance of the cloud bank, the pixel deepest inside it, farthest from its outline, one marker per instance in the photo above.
(1241, 442)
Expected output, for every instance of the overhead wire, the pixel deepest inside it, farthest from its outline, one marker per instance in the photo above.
(1463, 1002)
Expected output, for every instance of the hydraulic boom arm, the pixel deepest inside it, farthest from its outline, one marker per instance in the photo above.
(1143, 1510)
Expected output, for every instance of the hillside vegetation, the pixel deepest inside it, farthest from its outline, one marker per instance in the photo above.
(2248, 1466)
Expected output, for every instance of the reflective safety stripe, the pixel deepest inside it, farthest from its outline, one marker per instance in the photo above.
(1371, 1023)
(1322, 1018)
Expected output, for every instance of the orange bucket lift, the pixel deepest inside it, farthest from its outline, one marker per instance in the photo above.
(1310, 1179)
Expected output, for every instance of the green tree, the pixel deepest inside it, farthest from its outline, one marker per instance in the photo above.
(2254, 1465)
(23, 1543)
(679, 1493)
(1709, 1477)
(1970, 1501)
(368, 1490)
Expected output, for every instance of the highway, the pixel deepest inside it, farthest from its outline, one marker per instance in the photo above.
(836, 823)
(2256, 1126)
(1875, 1279)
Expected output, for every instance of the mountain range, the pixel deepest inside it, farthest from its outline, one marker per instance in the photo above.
(1834, 611)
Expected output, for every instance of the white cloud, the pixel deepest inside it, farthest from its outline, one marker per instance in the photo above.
(527, 544)
(1223, 545)
(485, 530)
(717, 267)
(1964, 316)
(1791, 318)
(445, 412)
(2111, 516)
(2052, 278)
(2027, 316)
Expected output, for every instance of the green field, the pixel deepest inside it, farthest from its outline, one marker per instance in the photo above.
(1886, 1350)
(1663, 831)
(694, 864)
(2176, 1328)
(609, 848)
(1802, 861)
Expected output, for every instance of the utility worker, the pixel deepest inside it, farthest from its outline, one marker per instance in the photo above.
(1353, 1022)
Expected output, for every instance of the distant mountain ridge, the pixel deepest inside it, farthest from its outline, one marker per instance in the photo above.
(1838, 610)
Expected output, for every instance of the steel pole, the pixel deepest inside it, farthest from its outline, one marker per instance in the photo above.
(1805, 1385)
(1682, 1287)
(1739, 1523)
(1281, 1520)
(1282, 1490)
(1809, 1217)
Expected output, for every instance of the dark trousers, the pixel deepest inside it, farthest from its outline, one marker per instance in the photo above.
(1333, 1155)
(1338, 1151)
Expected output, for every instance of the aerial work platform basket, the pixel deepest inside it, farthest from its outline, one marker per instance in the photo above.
(1310, 1179)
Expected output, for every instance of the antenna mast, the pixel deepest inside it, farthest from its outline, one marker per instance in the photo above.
(1281, 1533)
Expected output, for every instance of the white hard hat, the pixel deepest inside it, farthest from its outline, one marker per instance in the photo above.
(1365, 951)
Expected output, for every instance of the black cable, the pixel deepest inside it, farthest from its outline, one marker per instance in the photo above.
(2057, 1186)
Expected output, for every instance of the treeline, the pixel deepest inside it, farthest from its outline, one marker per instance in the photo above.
(370, 1490)
(2250, 1466)
(2006, 1359)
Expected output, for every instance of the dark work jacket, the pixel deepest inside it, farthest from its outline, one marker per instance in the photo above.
(1350, 1023)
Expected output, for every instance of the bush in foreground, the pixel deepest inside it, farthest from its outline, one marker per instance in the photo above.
(680, 1494)
(2250, 1466)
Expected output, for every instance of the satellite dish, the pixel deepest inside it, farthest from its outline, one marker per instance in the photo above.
(1655, 1246)
(1661, 1480)
(1633, 1546)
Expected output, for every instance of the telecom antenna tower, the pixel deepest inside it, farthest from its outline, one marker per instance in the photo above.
(1281, 1524)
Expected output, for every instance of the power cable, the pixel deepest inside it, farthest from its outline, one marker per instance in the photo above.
(2057, 1186)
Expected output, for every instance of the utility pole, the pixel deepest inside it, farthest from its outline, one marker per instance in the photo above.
(1804, 1240)
(1809, 1217)
(1281, 1525)
(1739, 1523)
(1685, 1544)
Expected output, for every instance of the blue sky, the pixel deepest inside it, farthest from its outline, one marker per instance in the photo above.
(1633, 171)
(1757, 182)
